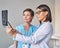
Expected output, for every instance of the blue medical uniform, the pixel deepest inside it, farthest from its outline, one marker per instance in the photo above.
(28, 33)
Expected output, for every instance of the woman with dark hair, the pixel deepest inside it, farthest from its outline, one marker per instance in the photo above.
(40, 38)
(26, 28)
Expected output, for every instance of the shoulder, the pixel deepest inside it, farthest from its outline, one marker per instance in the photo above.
(45, 28)
(19, 26)
(33, 27)
(49, 24)
(46, 25)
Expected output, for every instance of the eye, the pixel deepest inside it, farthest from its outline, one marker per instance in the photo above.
(38, 12)
(23, 14)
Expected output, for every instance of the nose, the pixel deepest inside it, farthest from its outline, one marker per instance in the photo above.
(25, 17)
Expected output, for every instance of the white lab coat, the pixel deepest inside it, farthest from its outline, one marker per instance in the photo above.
(40, 38)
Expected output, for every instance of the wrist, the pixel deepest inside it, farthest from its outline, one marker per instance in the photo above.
(13, 32)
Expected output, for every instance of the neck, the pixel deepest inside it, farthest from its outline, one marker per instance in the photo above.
(26, 24)
(43, 20)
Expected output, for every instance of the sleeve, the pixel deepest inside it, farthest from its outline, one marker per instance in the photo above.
(34, 28)
(16, 29)
(39, 34)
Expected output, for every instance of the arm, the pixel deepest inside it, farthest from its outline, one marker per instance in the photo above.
(39, 35)
(15, 44)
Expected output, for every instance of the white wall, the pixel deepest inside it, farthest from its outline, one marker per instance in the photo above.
(15, 8)
(57, 17)
(57, 24)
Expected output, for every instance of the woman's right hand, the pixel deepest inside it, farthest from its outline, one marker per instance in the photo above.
(11, 31)
(8, 29)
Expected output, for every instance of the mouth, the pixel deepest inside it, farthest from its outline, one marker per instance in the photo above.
(26, 19)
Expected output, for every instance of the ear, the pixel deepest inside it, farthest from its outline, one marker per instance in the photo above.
(46, 13)
(32, 17)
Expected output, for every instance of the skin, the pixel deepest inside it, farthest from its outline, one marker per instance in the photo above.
(27, 20)
(41, 16)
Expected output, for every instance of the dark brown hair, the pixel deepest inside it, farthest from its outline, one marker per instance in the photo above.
(43, 8)
(30, 10)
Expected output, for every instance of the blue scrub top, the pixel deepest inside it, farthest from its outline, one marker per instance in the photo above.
(28, 33)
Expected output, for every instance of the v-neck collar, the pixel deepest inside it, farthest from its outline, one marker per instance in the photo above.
(27, 30)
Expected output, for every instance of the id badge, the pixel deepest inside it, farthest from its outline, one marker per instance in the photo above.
(25, 46)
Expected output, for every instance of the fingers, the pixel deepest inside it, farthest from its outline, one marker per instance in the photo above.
(13, 32)
(8, 29)
(9, 25)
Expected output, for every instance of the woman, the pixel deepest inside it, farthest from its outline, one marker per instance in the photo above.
(40, 38)
(26, 28)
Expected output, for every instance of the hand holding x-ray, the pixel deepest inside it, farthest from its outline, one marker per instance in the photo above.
(11, 31)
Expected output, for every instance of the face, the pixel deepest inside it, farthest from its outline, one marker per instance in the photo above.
(41, 15)
(27, 17)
